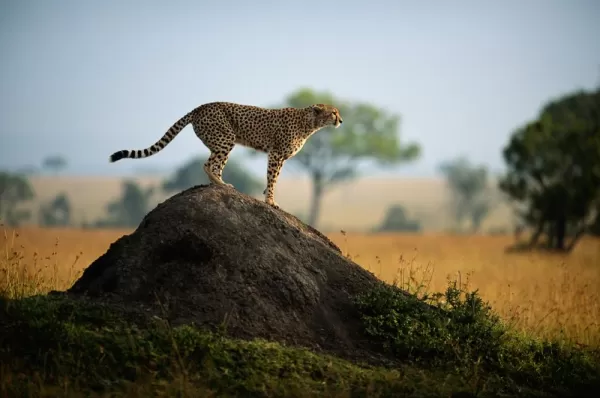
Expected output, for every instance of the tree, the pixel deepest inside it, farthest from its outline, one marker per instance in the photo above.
(469, 188)
(57, 212)
(14, 190)
(554, 169)
(192, 173)
(332, 156)
(55, 163)
(396, 220)
(595, 225)
(28, 170)
(130, 209)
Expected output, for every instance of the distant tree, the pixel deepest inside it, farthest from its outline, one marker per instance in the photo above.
(15, 189)
(57, 212)
(554, 169)
(192, 173)
(130, 209)
(396, 220)
(518, 231)
(55, 163)
(29, 170)
(469, 189)
(498, 230)
(332, 156)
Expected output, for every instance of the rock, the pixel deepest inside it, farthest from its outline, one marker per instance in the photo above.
(215, 257)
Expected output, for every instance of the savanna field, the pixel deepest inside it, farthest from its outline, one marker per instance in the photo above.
(543, 295)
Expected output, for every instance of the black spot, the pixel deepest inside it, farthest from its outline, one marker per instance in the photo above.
(146, 152)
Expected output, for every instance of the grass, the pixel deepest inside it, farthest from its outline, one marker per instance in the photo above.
(543, 295)
(51, 346)
(468, 338)
(80, 348)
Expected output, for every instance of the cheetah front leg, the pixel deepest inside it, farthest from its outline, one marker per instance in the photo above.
(275, 163)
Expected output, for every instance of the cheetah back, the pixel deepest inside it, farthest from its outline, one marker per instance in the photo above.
(267, 130)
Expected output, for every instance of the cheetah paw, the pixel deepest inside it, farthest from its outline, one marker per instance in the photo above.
(273, 204)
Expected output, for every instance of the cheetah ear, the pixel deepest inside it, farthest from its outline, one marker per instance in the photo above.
(318, 108)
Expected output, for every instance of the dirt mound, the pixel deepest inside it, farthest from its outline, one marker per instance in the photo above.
(214, 257)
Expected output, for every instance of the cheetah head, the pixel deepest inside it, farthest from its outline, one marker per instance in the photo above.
(326, 115)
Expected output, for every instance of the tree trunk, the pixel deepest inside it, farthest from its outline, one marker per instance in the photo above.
(551, 234)
(476, 224)
(560, 232)
(536, 236)
(578, 235)
(315, 202)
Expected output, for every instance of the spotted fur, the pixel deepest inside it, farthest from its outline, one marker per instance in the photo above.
(280, 133)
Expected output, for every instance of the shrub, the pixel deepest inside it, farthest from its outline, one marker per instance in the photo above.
(457, 330)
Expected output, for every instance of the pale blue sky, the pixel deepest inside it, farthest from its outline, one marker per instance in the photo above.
(87, 78)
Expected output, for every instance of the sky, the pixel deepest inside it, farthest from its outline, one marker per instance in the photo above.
(84, 79)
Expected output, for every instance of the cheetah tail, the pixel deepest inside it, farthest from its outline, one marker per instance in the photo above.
(158, 146)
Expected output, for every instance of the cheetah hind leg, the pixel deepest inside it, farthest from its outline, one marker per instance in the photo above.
(221, 166)
(270, 201)
(213, 164)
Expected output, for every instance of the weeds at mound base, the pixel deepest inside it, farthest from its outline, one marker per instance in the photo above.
(55, 343)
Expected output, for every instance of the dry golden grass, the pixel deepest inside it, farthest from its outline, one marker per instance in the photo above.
(547, 295)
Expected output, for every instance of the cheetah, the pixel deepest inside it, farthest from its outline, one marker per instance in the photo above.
(280, 133)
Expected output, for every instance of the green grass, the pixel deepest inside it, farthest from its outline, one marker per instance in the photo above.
(54, 346)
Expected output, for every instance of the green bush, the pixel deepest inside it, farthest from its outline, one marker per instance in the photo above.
(397, 220)
(458, 326)
(457, 330)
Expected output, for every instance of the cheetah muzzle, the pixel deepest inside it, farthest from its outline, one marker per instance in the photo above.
(280, 133)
